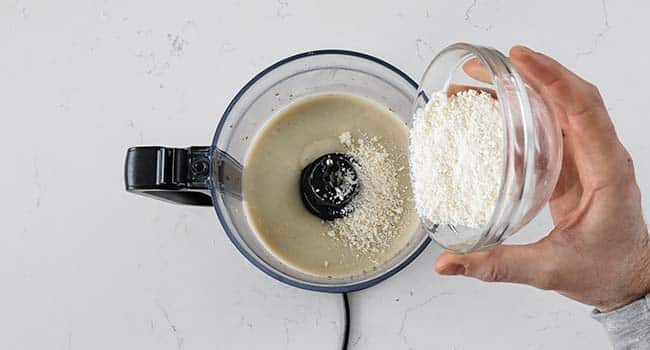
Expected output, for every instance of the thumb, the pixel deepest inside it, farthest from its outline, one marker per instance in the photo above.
(526, 264)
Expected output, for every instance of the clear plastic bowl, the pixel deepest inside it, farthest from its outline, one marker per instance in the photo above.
(211, 175)
(532, 152)
(307, 74)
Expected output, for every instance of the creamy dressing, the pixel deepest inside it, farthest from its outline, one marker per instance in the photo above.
(297, 135)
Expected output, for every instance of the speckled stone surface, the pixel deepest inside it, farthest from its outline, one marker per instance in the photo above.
(84, 265)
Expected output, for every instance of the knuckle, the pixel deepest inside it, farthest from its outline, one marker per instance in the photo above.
(593, 91)
(492, 273)
(629, 163)
(591, 102)
(580, 98)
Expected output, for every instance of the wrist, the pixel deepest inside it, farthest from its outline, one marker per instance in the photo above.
(613, 306)
(638, 285)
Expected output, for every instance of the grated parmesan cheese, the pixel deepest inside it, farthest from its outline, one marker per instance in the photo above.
(346, 138)
(456, 155)
(378, 207)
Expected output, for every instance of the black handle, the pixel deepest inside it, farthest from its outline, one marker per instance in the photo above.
(178, 175)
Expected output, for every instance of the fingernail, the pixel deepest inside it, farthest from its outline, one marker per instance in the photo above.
(453, 269)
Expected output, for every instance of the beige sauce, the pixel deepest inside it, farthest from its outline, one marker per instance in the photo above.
(302, 132)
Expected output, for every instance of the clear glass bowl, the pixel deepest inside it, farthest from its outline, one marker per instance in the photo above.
(532, 152)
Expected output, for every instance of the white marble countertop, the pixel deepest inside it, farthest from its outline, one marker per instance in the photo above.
(84, 265)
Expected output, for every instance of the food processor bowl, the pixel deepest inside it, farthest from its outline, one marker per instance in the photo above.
(212, 175)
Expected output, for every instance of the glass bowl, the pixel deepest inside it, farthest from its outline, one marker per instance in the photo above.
(532, 148)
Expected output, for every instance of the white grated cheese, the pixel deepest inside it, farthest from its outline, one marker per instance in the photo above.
(456, 154)
(378, 207)
(346, 138)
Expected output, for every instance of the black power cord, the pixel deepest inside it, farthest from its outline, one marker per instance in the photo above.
(346, 325)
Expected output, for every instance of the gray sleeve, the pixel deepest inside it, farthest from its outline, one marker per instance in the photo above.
(628, 327)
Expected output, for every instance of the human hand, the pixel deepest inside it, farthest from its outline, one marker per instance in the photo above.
(599, 251)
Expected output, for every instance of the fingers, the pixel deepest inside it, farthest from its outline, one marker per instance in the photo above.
(579, 99)
(577, 105)
(564, 87)
(526, 264)
(475, 69)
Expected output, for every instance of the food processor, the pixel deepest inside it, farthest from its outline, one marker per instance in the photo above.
(211, 175)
